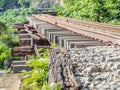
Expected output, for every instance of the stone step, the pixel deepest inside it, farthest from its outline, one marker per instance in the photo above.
(19, 62)
(19, 68)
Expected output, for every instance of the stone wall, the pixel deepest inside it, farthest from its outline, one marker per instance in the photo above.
(61, 70)
(90, 68)
(97, 68)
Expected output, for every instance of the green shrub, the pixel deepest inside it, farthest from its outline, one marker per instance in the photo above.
(106, 11)
(36, 79)
(5, 52)
(38, 75)
(27, 11)
(11, 17)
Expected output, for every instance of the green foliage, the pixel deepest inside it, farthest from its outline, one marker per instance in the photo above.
(113, 10)
(33, 3)
(8, 71)
(7, 3)
(5, 52)
(52, 86)
(107, 11)
(38, 76)
(2, 28)
(6, 36)
(53, 45)
(24, 3)
(2, 2)
(8, 40)
(10, 17)
(27, 11)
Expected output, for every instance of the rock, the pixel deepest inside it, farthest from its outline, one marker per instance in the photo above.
(91, 68)
(74, 64)
(61, 83)
(8, 62)
(67, 84)
(59, 78)
(94, 61)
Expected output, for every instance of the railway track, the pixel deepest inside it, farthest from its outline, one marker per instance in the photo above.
(106, 33)
(62, 36)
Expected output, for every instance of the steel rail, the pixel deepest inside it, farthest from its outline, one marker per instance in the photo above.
(98, 25)
(103, 26)
(91, 32)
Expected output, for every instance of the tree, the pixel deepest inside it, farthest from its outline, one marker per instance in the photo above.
(113, 10)
(94, 10)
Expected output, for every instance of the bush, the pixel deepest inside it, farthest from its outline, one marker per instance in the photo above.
(11, 17)
(37, 79)
(5, 52)
(38, 76)
(27, 11)
(106, 11)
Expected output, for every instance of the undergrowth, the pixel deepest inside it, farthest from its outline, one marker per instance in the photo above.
(37, 78)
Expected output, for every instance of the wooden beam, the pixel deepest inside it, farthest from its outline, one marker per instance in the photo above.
(43, 46)
(34, 36)
(29, 31)
(19, 26)
(41, 35)
(36, 51)
(30, 34)
(25, 39)
(23, 51)
(28, 26)
(31, 41)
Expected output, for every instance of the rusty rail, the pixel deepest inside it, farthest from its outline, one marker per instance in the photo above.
(98, 31)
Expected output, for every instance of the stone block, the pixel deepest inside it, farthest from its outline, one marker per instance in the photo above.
(18, 62)
(19, 68)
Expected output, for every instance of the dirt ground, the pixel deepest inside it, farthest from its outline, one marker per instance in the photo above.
(10, 82)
